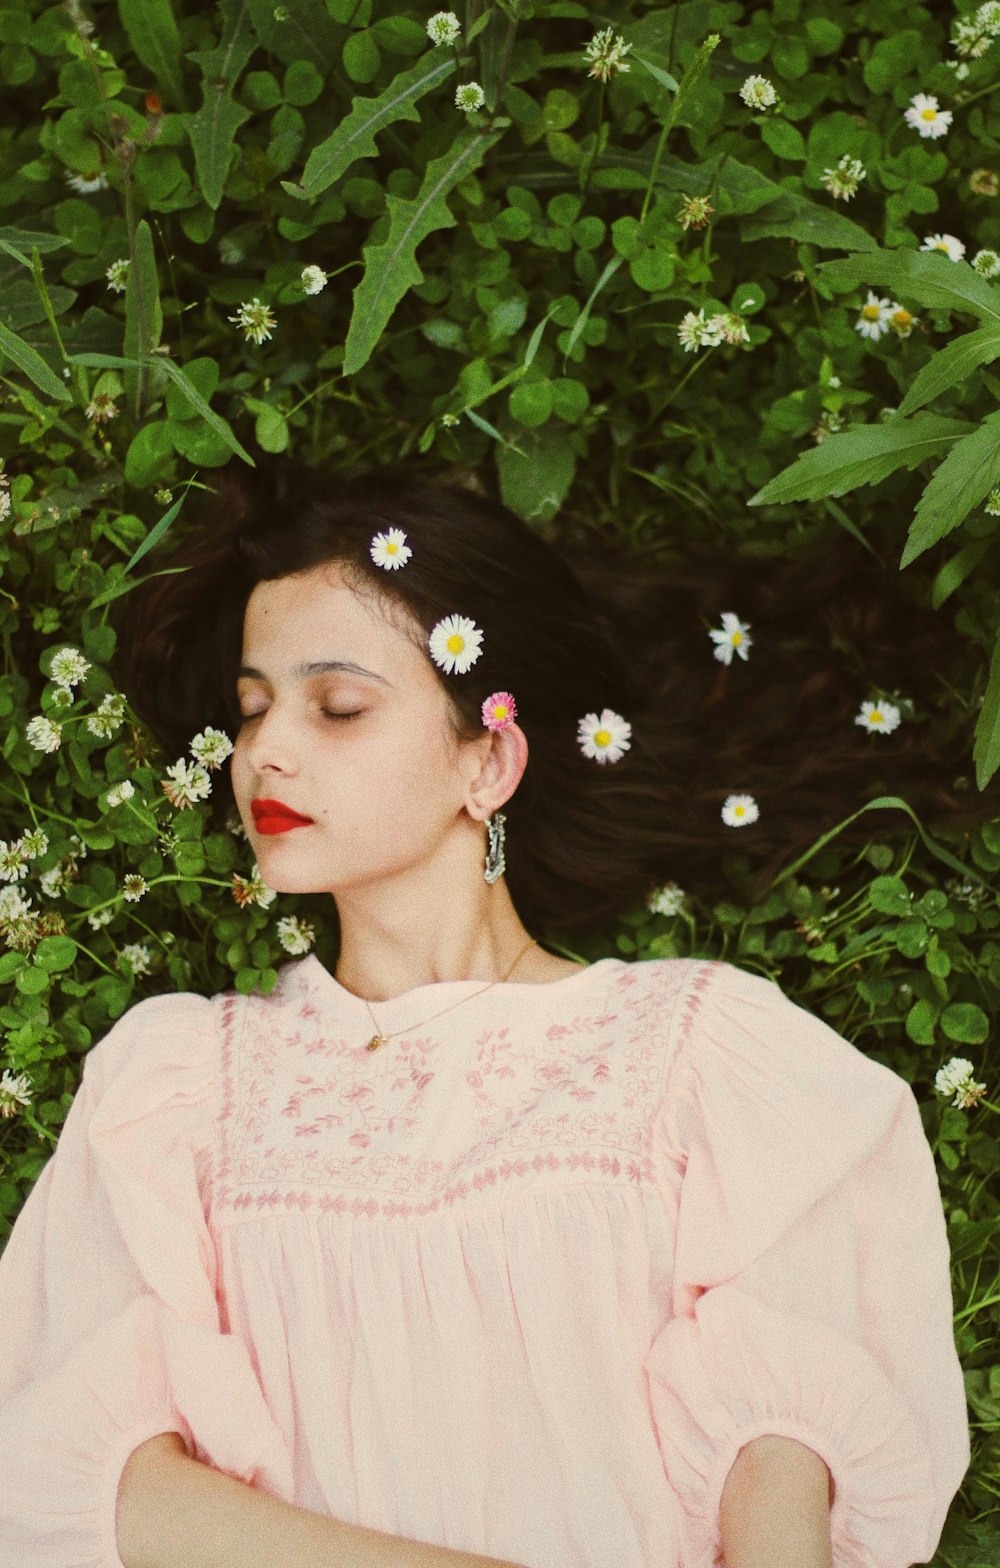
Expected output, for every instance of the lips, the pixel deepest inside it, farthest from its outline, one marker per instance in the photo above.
(273, 816)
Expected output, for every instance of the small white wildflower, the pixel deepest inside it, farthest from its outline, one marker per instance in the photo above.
(469, 96)
(119, 793)
(924, 116)
(448, 419)
(43, 734)
(960, 68)
(101, 917)
(13, 904)
(956, 1077)
(53, 881)
(314, 279)
(696, 332)
(162, 496)
(443, 27)
(5, 500)
(390, 549)
(879, 716)
(605, 54)
(101, 408)
(758, 93)
(900, 320)
(211, 747)
(739, 810)
(986, 263)
(256, 320)
(34, 843)
(455, 643)
(951, 246)
(14, 1091)
(185, 783)
(252, 889)
(117, 275)
(694, 212)
(86, 184)
(668, 900)
(732, 638)
(605, 737)
(13, 863)
(842, 182)
(296, 936)
(136, 955)
(991, 506)
(109, 716)
(133, 887)
(827, 425)
(69, 667)
(873, 317)
(730, 327)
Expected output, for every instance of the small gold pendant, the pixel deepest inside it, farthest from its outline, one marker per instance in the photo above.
(375, 1041)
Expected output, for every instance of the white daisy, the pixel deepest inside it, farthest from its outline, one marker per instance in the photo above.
(947, 242)
(900, 320)
(732, 638)
(881, 716)
(873, 318)
(390, 550)
(455, 643)
(924, 116)
(667, 900)
(606, 738)
(738, 810)
(86, 184)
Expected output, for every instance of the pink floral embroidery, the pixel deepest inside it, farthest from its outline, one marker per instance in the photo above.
(309, 1121)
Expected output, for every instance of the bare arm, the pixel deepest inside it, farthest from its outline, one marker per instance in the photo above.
(174, 1512)
(775, 1510)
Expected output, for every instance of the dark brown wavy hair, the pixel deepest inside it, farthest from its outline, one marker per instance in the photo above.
(572, 626)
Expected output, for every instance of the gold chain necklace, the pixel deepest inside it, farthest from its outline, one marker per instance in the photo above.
(378, 1038)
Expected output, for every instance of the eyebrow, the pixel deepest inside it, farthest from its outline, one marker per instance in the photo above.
(320, 667)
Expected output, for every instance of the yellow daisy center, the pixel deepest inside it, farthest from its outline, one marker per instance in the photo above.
(876, 716)
(739, 811)
(602, 737)
(500, 710)
(392, 547)
(870, 312)
(737, 637)
(903, 317)
(941, 245)
(928, 114)
(456, 642)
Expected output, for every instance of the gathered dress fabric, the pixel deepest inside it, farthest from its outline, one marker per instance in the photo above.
(521, 1282)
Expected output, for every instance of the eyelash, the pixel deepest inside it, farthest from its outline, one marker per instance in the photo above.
(356, 714)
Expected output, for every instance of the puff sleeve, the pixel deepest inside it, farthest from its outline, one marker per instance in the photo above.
(811, 1275)
(109, 1307)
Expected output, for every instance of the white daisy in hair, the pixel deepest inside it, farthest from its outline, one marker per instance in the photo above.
(390, 550)
(881, 716)
(605, 737)
(732, 638)
(738, 810)
(455, 643)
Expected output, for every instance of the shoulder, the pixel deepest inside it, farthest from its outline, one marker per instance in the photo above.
(173, 1031)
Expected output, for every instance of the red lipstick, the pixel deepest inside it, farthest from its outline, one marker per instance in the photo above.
(273, 816)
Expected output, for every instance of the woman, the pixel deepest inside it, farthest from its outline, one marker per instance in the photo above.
(460, 1251)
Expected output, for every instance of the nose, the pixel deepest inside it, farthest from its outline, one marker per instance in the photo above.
(270, 743)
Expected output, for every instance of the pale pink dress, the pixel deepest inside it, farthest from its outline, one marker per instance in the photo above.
(521, 1283)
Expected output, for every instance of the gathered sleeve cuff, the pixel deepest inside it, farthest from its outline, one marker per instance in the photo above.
(109, 1308)
(811, 1289)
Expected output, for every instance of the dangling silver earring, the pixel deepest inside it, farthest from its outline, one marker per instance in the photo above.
(495, 863)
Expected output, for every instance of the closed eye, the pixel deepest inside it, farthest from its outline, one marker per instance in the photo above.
(356, 714)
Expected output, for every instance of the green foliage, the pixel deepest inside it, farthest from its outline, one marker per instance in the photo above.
(252, 223)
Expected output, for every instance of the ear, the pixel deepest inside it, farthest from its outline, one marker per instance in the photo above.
(499, 760)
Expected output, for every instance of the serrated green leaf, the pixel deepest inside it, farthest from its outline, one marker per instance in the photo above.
(959, 483)
(212, 132)
(986, 747)
(928, 277)
(951, 364)
(152, 32)
(861, 456)
(143, 317)
(31, 364)
(391, 267)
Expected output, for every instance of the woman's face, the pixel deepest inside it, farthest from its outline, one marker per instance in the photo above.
(382, 788)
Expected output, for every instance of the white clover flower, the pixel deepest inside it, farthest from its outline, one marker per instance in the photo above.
(86, 184)
(960, 68)
(13, 904)
(296, 936)
(109, 716)
(842, 182)
(14, 1091)
(13, 863)
(43, 734)
(34, 843)
(469, 96)
(252, 889)
(827, 425)
(136, 955)
(694, 212)
(53, 881)
(119, 793)
(314, 279)
(5, 501)
(101, 408)
(255, 319)
(951, 246)
(211, 747)
(69, 667)
(732, 638)
(455, 644)
(873, 318)
(605, 54)
(695, 331)
(443, 27)
(133, 887)
(117, 275)
(668, 900)
(956, 1077)
(986, 263)
(390, 550)
(185, 783)
(991, 506)
(730, 327)
(758, 93)
(62, 697)
(900, 320)
(880, 716)
(924, 116)
(739, 810)
(605, 737)
(101, 917)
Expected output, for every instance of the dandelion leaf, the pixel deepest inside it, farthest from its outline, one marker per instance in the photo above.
(861, 456)
(968, 473)
(926, 276)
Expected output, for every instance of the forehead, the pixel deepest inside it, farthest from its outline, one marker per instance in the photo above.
(325, 614)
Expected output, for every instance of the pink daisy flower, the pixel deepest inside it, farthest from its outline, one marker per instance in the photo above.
(499, 710)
